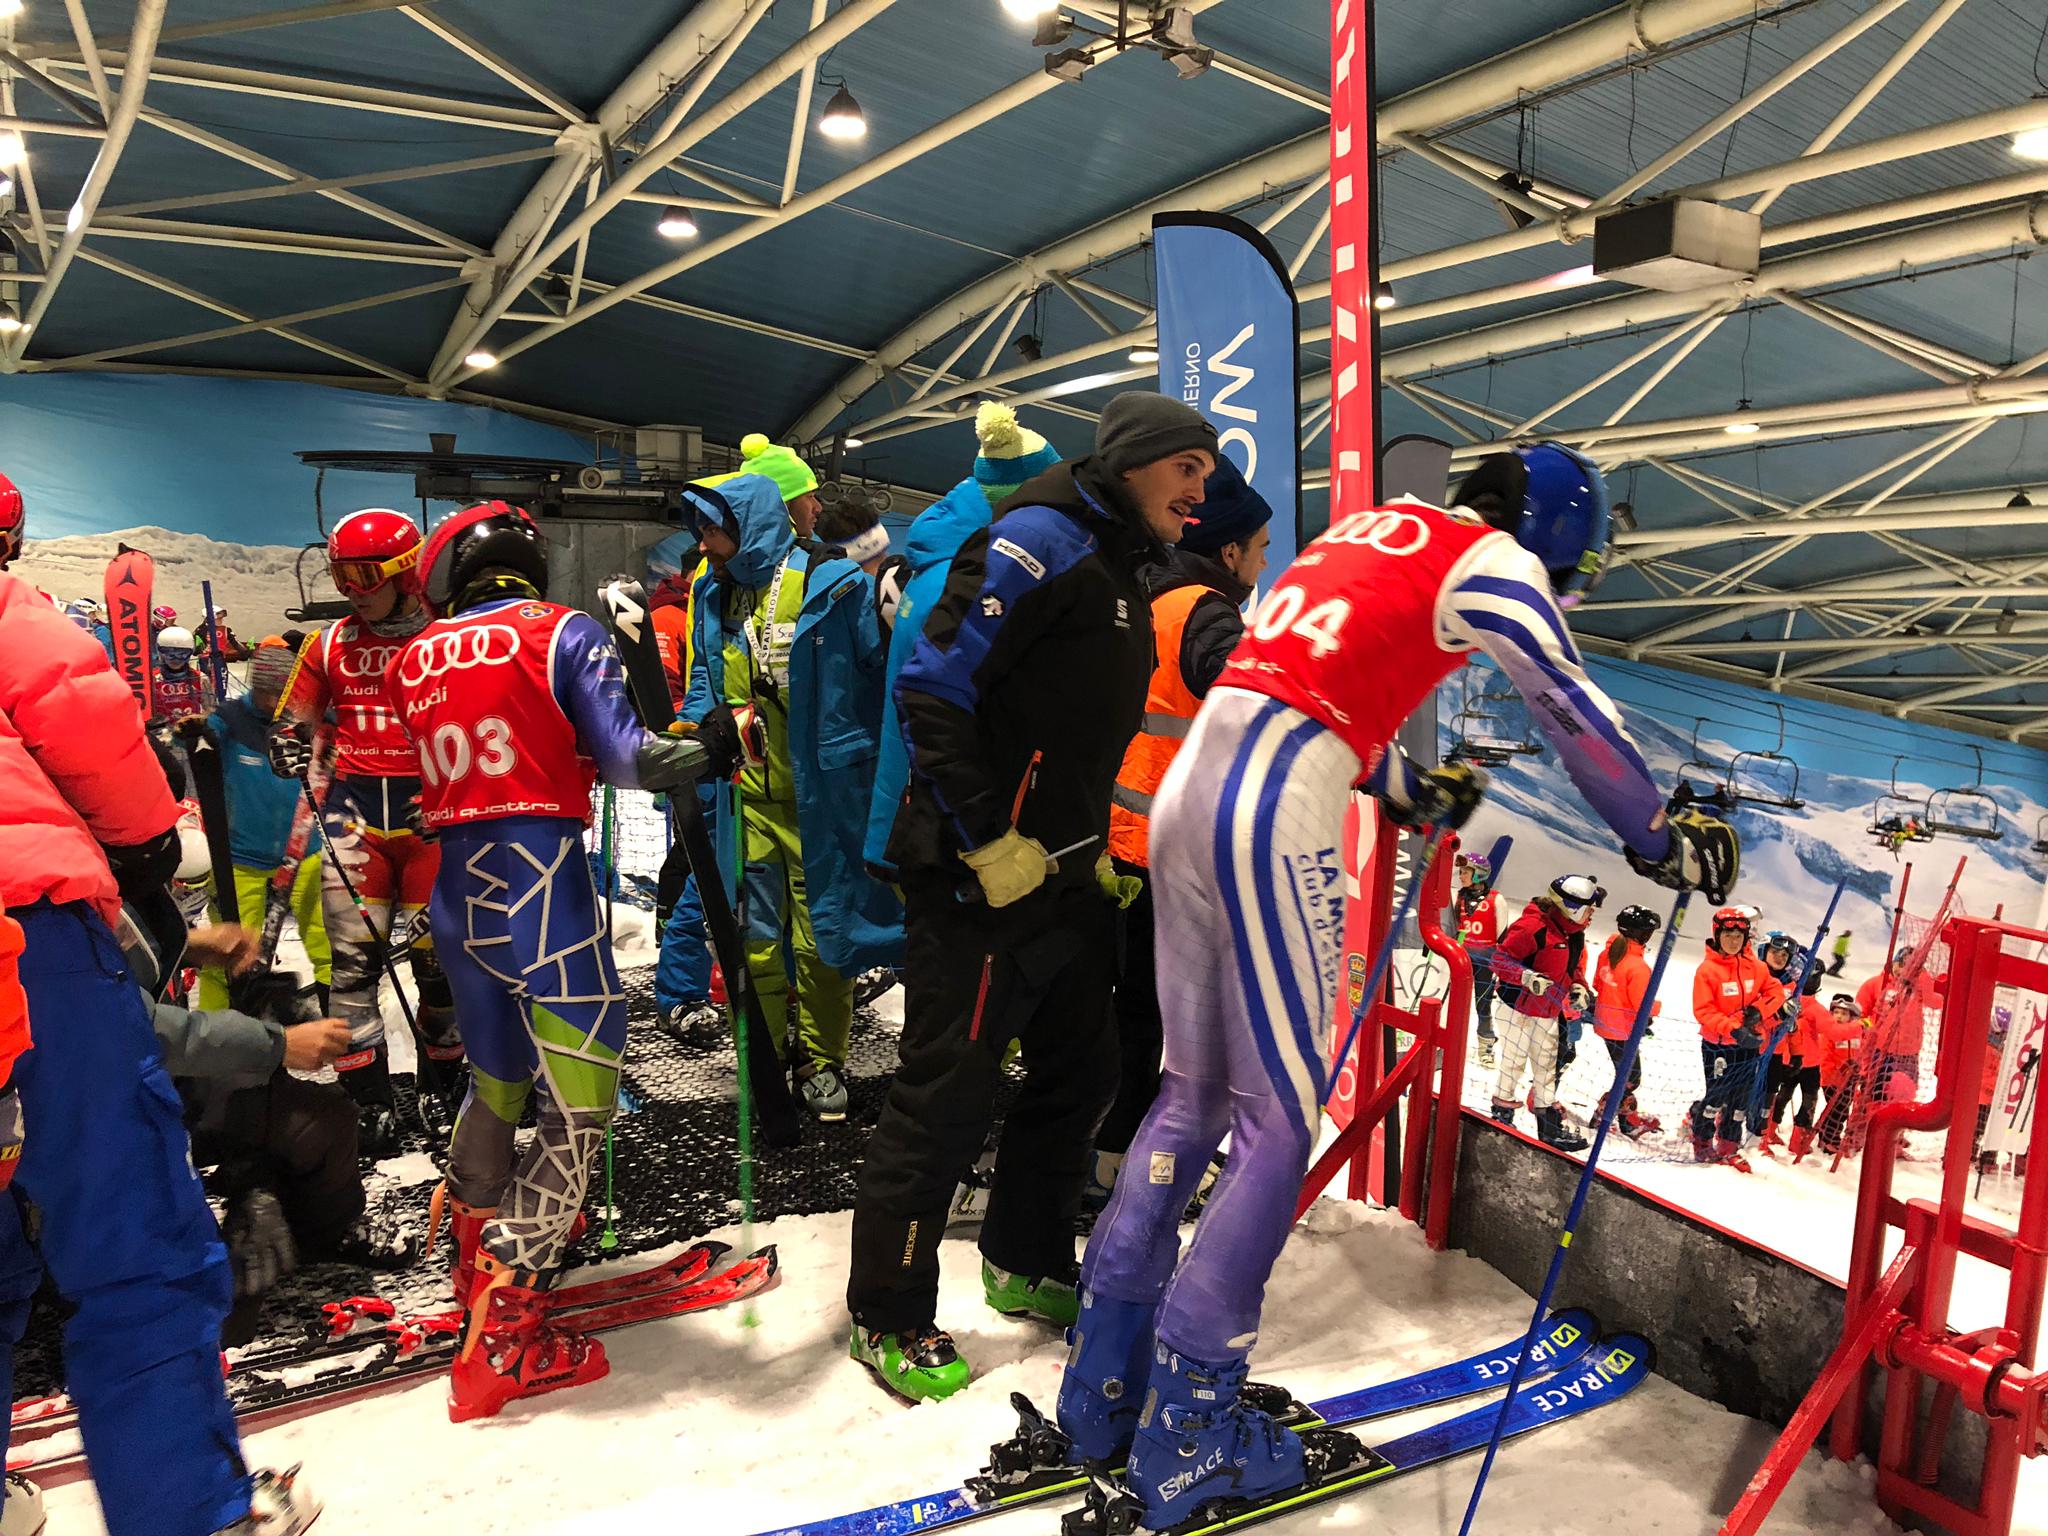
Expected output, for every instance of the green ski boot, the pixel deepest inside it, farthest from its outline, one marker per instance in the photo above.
(1048, 1299)
(921, 1365)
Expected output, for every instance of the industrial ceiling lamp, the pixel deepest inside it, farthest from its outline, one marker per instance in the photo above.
(1030, 10)
(1176, 42)
(481, 357)
(1030, 348)
(1744, 424)
(1624, 515)
(9, 9)
(2020, 499)
(2031, 144)
(1518, 217)
(842, 118)
(1382, 295)
(1144, 352)
(2008, 616)
(10, 319)
(13, 149)
(676, 224)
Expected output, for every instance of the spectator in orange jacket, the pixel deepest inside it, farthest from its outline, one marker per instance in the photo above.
(1620, 982)
(1733, 994)
(1842, 1035)
(1897, 1006)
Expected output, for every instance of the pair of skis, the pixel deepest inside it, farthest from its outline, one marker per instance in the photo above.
(1571, 1374)
(356, 1360)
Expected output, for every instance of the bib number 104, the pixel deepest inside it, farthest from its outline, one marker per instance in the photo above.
(1321, 626)
(451, 752)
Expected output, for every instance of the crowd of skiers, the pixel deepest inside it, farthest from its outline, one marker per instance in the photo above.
(1769, 1045)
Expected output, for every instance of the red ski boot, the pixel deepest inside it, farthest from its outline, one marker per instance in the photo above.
(1802, 1142)
(511, 1350)
(1768, 1138)
(467, 1222)
(1730, 1152)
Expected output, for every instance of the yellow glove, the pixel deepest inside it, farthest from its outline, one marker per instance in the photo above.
(1010, 868)
(1121, 889)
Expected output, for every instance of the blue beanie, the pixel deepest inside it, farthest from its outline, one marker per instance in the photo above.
(1230, 513)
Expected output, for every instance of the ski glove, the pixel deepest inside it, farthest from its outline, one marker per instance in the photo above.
(259, 1241)
(1121, 889)
(1010, 868)
(1749, 1035)
(734, 739)
(670, 762)
(1581, 997)
(1705, 856)
(1534, 984)
(290, 755)
(1436, 797)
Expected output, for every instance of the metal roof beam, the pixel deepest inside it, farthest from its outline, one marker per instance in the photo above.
(496, 63)
(58, 53)
(56, 127)
(149, 18)
(318, 92)
(333, 183)
(288, 242)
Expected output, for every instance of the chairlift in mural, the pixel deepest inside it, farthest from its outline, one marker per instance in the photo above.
(2040, 843)
(1483, 734)
(1768, 779)
(1897, 819)
(1966, 812)
(1705, 776)
(311, 609)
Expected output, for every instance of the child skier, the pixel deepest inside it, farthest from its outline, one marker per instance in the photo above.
(1370, 618)
(1733, 994)
(1540, 970)
(1841, 1043)
(182, 691)
(1481, 915)
(368, 819)
(1794, 1066)
(1620, 981)
(516, 706)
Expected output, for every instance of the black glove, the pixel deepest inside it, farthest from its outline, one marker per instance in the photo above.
(732, 739)
(1705, 856)
(1750, 1035)
(290, 755)
(1440, 797)
(259, 1242)
(140, 868)
(670, 762)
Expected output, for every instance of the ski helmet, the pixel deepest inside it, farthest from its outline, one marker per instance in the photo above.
(1842, 1002)
(494, 536)
(368, 548)
(1638, 923)
(174, 645)
(1731, 917)
(162, 616)
(82, 611)
(1577, 897)
(1777, 938)
(13, 522)
(1554, 503)
(1478, 871)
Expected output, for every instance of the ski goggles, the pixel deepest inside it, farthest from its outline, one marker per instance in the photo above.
(356, 578)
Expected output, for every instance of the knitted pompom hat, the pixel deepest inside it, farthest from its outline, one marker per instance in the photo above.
(1011, 453)
(792, 476)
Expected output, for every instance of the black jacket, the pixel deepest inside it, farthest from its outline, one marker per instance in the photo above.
(1029, 680)
(1214, 625)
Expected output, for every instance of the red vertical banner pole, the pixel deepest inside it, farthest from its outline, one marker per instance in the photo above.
(1354, 262)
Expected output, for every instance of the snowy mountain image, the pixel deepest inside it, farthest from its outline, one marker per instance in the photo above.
(254, 582)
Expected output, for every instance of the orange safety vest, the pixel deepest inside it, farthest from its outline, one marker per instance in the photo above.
(1169, 709)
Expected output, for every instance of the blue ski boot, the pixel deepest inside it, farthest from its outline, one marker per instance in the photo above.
(1197, 1442)
(1108, 1360)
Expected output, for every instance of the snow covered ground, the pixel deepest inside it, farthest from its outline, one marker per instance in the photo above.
(254, 582)
(711, 1425)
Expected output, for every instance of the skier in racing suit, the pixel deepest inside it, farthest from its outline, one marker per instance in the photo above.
(369, 818)
(515, 706)
(1248, 890)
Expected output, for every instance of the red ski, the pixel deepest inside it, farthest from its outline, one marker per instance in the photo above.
(130, 583)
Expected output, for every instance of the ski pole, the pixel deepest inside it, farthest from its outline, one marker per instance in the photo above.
(733, 984)
(1402, 912)
(213, 628)
(1622, 1069)
(362, 910)
(1798, 1002)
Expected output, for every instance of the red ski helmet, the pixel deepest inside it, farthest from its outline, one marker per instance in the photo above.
(13, 522)
(369, 548)
(1731, 917)
(492, 536)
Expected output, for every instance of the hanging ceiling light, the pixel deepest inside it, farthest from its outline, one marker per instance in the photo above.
(9, 9)
(6, 185)
(1144, 354)
(482, 357)
(1383, 296)
(853, 442)
(13, 148)
(2008, 616)
(2031, 144)
(842, 117)
(10, 319)
(2020, 499)
(1030, 348)
(1030, 10)
(676, 224)
(1744, 424)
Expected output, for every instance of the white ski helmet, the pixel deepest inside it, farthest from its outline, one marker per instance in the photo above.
(174, 638)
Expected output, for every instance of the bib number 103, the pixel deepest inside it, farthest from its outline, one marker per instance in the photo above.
(451, 752)
(1321, 626)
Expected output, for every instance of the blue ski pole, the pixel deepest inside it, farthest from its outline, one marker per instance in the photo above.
(1402, 912)
(213, 628)
(1795, 1001)
(1622, 1069)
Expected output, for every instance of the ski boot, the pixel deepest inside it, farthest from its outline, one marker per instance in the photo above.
(1048, 1298)
(823, 1092)
(467, 1223)
(279, 1505)
(1206, 1185)
(1503, 1113)
(1802, 1142)
(971, 1194)
(693, 1023)
(1728, 1150)
(22, 1514)
(920, 1364)
(1200, 1443)
(511, 1350)
(1109, 1360)
(442, 1082)
(1767, 1138)
(871, 984)
(366, 1074)
(1550, 1130)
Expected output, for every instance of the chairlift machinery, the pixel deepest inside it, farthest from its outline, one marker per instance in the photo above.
(1970, 811)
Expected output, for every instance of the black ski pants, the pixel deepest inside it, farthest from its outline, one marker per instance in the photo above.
(298, 1138)
(1141, 1037)
(1787, 1078)
(1040, 971)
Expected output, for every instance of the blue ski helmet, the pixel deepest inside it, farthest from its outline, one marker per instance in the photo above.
(1554, 503)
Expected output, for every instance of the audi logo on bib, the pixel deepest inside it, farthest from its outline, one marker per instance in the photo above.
(478, 645)
(366, 660)
(1389, 531)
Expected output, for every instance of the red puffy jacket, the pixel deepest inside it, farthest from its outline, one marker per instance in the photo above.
(75, 769)
(1539, 941)
(1724, 985)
